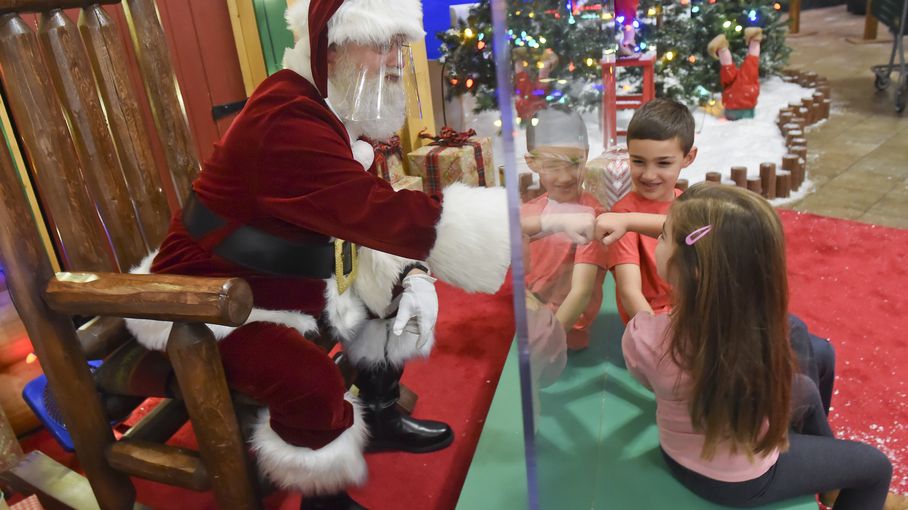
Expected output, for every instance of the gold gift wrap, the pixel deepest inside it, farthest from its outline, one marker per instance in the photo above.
(454, 164)
(408, 182)
(395, 167)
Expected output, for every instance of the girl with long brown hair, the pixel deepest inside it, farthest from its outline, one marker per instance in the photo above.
(737, 424)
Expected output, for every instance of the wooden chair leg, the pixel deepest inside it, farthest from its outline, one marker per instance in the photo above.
(197, 364)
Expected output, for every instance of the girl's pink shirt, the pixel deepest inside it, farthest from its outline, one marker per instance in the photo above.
(645, 345)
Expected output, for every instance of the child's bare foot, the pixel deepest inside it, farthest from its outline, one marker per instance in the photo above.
(719, 42)
(753, 34)
(895, 502)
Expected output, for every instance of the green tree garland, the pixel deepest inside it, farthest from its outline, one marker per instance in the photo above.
(680, 30)
(577, 36)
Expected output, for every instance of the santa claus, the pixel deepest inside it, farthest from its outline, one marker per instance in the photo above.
(329, 249)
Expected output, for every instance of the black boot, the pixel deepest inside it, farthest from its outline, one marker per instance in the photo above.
(339, 501)
(389, 428)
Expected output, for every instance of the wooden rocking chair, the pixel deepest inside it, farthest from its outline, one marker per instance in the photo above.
(79, 123)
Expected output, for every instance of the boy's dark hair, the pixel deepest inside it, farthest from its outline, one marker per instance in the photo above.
(663, 119)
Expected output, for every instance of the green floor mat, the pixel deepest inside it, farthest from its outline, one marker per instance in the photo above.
(598, 444)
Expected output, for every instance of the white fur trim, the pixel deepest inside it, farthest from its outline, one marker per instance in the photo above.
(325, 470)
(153, 334)
(376, 21)
(376, 344)
(363, 152)
(299, 57)
(377, 274)
(362, 21)
(472, 248)
(346, 312)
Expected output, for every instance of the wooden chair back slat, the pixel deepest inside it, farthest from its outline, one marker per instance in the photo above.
(47, 5)
(52, 334)
(70, 71)
(80, 238)
(108, 60)
(163, 93)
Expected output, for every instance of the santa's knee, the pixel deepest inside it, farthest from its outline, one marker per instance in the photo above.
(309, 436)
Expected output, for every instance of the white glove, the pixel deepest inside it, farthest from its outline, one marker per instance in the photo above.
(363, 153)
(574, 220)
(418, 308)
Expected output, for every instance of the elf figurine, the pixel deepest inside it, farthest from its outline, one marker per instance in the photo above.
(740, 86)
(626, 11)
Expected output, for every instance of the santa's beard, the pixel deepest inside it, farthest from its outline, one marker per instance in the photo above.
(379, 122)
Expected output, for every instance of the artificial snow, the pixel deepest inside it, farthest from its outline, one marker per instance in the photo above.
(722, 144)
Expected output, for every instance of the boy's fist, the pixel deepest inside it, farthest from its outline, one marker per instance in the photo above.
(574, 220)
(610, 227)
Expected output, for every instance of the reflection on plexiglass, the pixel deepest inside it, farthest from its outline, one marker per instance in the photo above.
(564, 266)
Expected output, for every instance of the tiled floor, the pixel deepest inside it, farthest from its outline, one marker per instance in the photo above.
(859, 157)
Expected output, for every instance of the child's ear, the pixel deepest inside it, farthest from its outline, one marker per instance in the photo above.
(690, 157)
(531, 162)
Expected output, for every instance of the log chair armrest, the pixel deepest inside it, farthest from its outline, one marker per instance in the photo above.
(174, 298)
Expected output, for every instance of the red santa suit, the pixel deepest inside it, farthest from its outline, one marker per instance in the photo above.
(285, 168)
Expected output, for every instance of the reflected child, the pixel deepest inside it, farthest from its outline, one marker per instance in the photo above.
(566, 270)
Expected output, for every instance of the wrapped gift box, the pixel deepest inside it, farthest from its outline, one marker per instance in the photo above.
(389, 160)
(453, 157)
(391, 168)
(408, 182)
(608, 177)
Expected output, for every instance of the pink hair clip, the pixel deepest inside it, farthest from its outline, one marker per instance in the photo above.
(698, 234)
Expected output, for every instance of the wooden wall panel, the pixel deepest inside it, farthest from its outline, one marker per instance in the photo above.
(205, 60)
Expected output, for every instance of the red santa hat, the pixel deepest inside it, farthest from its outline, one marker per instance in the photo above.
(320, 23)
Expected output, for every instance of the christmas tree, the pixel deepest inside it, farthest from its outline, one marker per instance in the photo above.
(556, 44)
(685, 71)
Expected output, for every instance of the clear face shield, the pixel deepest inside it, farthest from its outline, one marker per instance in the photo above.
(375, 84)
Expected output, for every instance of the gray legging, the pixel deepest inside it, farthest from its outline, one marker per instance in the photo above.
(815, 462)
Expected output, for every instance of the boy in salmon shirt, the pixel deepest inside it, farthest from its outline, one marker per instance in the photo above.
(660, 142)
(566, 270)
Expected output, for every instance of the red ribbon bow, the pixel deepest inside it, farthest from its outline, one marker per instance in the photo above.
(392, 146)
(449, 137)
(384, 150)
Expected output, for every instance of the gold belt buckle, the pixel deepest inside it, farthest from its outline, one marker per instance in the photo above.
(343, 278)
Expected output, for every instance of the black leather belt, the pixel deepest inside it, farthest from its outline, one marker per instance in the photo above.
(263, 252)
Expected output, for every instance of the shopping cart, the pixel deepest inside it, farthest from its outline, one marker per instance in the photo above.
(893, 14)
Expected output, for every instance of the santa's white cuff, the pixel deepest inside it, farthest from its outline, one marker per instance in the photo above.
(376, 345)
(472, 249)
(326, 470)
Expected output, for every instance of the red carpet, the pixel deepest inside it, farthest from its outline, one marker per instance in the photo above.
(456, 385)
(848, 282)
